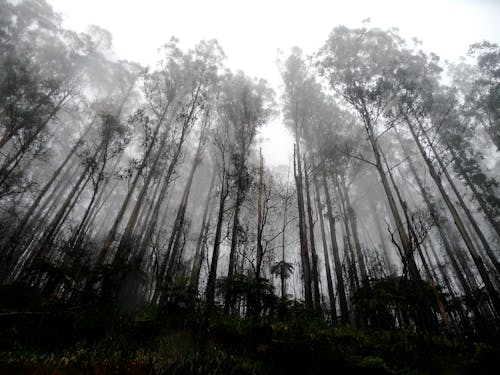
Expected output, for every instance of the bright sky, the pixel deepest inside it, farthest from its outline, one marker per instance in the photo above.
(251, 32)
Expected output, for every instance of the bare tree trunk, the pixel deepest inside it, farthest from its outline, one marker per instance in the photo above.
(314, 256)
(259, 217)
(169, 263)
(344, 311)
(403, 235)
(173, 250)
(49, 183)
(212, 274)
(283, 238)
(354, 227)
(478, 261)
(348, 247)
(121, 213)
(304, 252)
(202, 236)
(47, 238)
(473, 222)
(331, 292)
(385, 249)
(490, 216)
(125, 248)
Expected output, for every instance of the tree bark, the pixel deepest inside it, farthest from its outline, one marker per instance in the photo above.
(314, 255)
(212, 274)
(259, 217)
(329, 282)
(304, 252)
(478, 261)
(472, 221)
(344, 311)
(202, 236)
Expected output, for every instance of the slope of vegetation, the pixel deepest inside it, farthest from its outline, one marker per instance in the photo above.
(53, 337)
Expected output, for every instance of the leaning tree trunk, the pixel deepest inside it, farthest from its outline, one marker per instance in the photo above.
(403, 235)
(202, 236)
(478, 261)
(124, 251)
(472, 221)
(212, 274)
(174, 250)
(121, 213)
(488, 213)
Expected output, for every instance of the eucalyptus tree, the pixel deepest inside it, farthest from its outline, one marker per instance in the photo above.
(484, 96)
(220, 140)
(327, 139)
(297, 85)
(167, 91)
(207, 63)
(459, 134)
(245, 105)
(283, 268)
(40, 63)
(361, 65)
(418, 109)
(49, 88)
(202, 240)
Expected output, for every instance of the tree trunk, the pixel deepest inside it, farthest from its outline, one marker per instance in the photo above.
(304, 252)
(351, 216)
(121, 213)
(488, 213)
(173, 251)
(405, 241)
(202, 236)
(212, 274)
(344, 311)
(478, 261)
(331, 292)
(314, 255)
(473, 222)
(259, 217)
(385, 249)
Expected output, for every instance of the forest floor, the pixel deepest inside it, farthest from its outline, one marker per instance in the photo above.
(60, 339)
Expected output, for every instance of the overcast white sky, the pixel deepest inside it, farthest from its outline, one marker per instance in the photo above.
(251, 32)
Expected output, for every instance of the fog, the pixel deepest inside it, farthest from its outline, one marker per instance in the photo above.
(262, 165)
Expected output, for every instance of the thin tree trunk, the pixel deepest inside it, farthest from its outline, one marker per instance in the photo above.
(331, 293)
(351, 217)
(381, 236)
(259, 217)
(202, 236)
(121, 213)
(488, 213)
(473, 222)
(212, 274)
(314, 255)
(304, 252)
(403, 235)
(344, 311)
(173, 251)
(478, 261)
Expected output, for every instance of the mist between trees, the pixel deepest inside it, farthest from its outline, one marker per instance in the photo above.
(138, 186)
